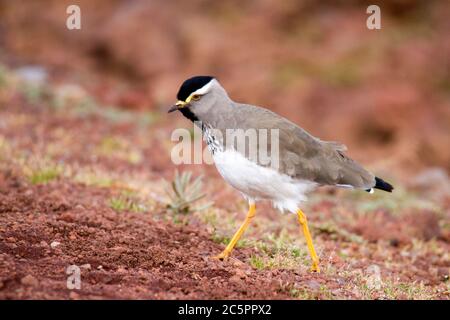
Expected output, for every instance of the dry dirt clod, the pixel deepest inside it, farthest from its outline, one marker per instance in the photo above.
(236, 279)
(86, 266)
(29, 280)
(74, 296)
(240, 273)
(121, 270)
(236, 262)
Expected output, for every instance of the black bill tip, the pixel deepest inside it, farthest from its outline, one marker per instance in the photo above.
(173, 108)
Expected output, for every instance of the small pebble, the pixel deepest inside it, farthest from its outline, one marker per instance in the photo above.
(235, 279)
(241, 274)
(54, 244)
(74, 296)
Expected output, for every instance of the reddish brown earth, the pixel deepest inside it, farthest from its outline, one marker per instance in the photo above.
(129, 255)
(383, 93)
(145, 256)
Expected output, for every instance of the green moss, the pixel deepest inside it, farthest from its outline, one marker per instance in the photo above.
(45, 175)
(257, 262)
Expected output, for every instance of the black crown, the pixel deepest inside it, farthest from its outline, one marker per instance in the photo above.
(192, 84)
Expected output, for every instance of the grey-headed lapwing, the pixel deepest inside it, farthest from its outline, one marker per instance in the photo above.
(304, 161)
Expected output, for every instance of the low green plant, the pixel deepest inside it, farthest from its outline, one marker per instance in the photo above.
(257, 262)
(183, 192)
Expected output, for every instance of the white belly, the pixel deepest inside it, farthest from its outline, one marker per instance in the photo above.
(257, 182)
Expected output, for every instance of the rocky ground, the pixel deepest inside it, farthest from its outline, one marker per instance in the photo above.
(85, 149)
(81, 184)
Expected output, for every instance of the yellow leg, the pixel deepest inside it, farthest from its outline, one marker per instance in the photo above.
(251, 213)
(315, 260)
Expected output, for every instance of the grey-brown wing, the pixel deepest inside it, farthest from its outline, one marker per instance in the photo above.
(304, 156)
(307, 157)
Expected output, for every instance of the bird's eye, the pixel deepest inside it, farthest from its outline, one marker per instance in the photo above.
(196, 97)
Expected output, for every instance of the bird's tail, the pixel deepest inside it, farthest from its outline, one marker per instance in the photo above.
(383, 185)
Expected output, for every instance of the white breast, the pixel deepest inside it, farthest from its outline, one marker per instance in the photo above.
(257, 182)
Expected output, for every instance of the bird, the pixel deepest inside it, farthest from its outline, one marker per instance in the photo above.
(304, 161)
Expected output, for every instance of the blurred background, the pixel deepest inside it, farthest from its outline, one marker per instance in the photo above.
(385, 93)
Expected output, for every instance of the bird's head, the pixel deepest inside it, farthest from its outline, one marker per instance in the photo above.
(197, 96)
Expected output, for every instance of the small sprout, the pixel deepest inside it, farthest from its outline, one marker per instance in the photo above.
(257, 262)
(296, 252)
(183, 192)
(123, 203)
(118, 204)
(220, 239)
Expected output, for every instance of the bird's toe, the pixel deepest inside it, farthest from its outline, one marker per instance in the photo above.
(222, 256)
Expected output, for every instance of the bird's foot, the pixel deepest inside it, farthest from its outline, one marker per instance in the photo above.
(315, 267)
(222, 256)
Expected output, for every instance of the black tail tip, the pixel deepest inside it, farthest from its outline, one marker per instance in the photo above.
(383, 185)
